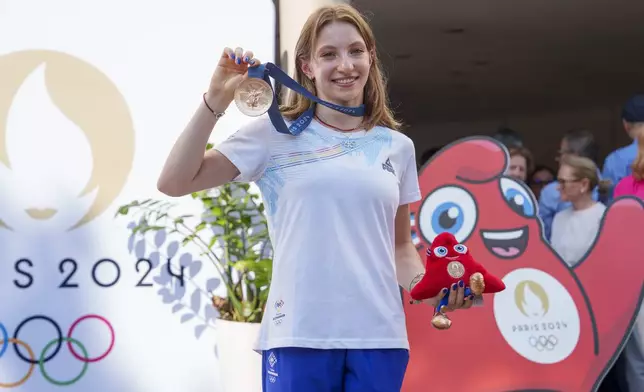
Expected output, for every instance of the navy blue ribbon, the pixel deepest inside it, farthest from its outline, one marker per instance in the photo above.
(265, 71)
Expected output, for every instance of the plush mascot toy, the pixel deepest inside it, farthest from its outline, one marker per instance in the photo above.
(449, 262)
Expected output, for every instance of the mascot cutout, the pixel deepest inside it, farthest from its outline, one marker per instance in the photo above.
(553, 328)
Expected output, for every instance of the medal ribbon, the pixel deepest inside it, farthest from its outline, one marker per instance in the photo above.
(264, 71)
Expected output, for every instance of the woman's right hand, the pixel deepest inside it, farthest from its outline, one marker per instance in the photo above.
(231, 70)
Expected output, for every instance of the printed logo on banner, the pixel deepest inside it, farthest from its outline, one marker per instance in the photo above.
(537, 316)
(93, 104)
(24, 351)
(552, 319)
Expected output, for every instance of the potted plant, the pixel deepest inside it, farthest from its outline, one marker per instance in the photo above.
(230, 232)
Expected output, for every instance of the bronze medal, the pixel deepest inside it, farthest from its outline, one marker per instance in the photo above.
(455, 269)
(253, 97)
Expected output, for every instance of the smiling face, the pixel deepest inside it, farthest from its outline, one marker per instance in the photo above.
(446, 247)
(339, 64)
(477, 204)
(518, 168)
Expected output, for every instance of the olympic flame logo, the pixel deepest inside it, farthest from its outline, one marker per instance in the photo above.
(78, 97)
(531, 299)
(56, 343)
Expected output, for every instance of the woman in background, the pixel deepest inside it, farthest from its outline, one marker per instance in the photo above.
(633, 184)
(574, 229)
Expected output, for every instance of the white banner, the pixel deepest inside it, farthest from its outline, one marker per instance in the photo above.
(92, 96)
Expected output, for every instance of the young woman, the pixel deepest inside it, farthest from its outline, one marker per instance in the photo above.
(574, 229)
(633, 184)
(337, 200)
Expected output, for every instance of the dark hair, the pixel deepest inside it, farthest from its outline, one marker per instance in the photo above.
(633, 110)
(581, 142)
(539, 168)
(509, 137)
(526, 154)
(427, 154)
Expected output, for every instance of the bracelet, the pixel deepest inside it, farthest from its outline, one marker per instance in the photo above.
(217, 115)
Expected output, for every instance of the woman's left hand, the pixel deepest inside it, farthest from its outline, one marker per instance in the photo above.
(457, 299)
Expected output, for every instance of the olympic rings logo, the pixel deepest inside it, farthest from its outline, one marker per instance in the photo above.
(544, 342)
(43, 358)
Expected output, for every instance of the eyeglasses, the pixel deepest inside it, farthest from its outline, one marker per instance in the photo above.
(566, 181)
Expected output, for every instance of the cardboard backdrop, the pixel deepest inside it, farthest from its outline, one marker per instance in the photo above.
(554, 328)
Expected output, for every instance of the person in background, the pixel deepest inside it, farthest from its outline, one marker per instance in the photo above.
(574, 228)
(509, 137)
(426, 156)
(617, 164)
(576, 142)
(521, 163)
(541, 176)
(633, 184)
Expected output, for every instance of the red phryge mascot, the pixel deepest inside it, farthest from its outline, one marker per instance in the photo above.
(449, 263)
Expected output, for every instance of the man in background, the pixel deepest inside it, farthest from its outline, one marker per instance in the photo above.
(617, 164)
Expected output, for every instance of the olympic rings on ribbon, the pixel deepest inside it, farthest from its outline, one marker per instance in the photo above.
(57, 342)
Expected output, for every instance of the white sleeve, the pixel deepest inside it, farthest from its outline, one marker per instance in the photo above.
(248, 149)
(409, 187)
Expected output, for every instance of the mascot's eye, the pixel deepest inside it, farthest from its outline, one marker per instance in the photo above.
(450, 209)
(518, 198)
(440, 251)
(460, 248)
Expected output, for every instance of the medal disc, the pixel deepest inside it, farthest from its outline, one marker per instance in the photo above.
(253, 97)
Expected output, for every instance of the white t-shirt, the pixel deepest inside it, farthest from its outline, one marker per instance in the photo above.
(331, 200)
(573, 232)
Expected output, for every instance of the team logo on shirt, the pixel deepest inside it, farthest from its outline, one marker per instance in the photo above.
(388, 167)
(553, 319)
(277, 319)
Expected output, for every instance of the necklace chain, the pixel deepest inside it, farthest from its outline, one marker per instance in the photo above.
(334, 127)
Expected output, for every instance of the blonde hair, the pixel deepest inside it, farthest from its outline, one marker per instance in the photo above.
(377, 110)
(638, 163)
(585, 168)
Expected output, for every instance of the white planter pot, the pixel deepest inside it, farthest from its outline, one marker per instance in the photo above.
(240, 367)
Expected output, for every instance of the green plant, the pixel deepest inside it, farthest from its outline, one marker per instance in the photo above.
(231, 233)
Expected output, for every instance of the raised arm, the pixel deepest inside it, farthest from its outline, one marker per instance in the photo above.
(189, 167)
